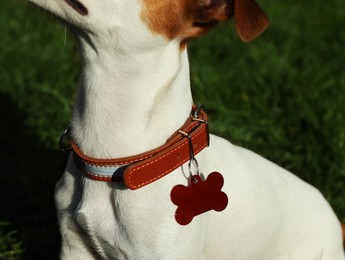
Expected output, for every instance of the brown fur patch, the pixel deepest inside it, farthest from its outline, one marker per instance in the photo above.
(164, 17)
(183, 18)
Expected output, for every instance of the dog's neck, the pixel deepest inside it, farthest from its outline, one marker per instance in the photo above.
(128, 103)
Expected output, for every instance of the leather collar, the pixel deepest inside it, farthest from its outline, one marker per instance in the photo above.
(142, 169)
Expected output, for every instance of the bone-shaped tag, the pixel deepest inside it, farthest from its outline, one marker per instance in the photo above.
(199, 197)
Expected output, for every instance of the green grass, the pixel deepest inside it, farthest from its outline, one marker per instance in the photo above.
(282, 96)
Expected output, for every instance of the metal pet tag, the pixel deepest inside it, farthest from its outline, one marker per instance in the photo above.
(198, 197)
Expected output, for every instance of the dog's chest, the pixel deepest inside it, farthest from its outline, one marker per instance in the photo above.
(117, 222)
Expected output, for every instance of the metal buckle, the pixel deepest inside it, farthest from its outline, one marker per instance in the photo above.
(197, 111)
(65, 133)
(196, 118)
(192, 160)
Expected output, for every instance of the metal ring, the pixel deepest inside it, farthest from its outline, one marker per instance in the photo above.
(63, 147)
(196, 167)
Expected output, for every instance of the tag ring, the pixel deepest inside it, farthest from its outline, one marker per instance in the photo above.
(195, 164)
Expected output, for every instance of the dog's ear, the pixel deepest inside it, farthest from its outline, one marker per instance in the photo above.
(250, 20)
(203, 15)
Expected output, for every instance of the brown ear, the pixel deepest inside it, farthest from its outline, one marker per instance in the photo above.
(204, 15)
(250, 20)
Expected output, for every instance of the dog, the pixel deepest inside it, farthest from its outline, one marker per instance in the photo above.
(133, 99)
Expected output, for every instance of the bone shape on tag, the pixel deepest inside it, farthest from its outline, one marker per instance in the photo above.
(199, 197)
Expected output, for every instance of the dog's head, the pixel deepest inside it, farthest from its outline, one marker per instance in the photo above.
(172, 19)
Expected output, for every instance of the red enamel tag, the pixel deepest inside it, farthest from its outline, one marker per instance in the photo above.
(199, 197)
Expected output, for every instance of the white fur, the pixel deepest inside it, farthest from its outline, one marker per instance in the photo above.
(134, 93)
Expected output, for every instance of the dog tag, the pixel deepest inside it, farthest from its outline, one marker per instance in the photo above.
(199, 197)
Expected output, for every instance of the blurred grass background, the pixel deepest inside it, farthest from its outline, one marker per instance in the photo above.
(282, 95)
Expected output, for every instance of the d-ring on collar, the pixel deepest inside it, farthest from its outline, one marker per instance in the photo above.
(140, 170)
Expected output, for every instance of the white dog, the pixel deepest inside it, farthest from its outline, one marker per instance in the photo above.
(134, 94)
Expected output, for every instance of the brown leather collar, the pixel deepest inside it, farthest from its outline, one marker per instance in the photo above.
(140, 170)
